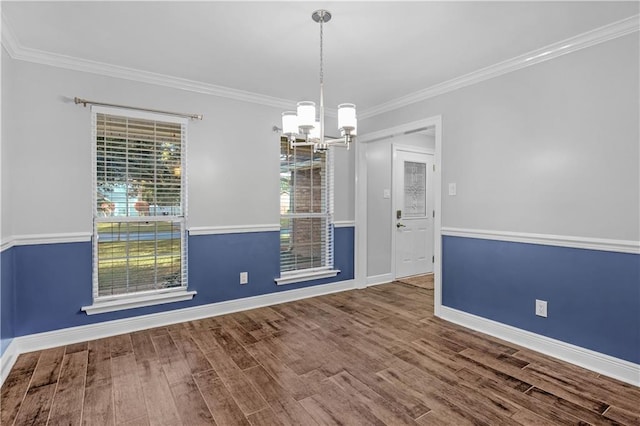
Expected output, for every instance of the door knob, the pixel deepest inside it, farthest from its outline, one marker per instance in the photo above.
(400, 225)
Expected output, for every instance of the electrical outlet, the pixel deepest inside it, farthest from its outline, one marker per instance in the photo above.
(541, 308)
(244, 277)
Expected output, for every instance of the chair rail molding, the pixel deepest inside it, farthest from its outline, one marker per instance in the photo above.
(590, 243)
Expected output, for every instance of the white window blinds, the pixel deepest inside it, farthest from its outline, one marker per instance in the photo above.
(306, 209)
(139, 203)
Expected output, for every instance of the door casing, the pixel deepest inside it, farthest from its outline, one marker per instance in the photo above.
(360, 266)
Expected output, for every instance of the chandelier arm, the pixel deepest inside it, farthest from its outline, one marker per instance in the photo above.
(335, 141)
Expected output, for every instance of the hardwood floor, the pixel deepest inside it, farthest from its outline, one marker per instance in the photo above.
(423, 281)
(375, 356)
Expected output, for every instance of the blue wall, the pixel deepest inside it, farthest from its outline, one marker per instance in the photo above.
(7, 299)
(53, 281)
(593, 296)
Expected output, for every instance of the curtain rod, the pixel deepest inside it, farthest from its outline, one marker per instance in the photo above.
(84, 102)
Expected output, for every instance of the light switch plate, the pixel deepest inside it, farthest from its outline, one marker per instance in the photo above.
(452, 189)
(386, 193)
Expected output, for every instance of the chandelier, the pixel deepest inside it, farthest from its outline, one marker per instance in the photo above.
(302, 128)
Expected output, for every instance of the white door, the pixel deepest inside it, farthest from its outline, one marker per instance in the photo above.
(413, 212)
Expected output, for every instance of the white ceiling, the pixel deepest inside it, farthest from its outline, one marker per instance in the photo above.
(374, 51)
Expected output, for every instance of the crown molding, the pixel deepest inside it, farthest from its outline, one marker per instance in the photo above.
(581, 41)
(9, 41)
(19, 52)
(572, 44)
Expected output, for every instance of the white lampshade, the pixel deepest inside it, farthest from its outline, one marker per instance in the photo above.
(306, 114)
(289, 123)
(347, 117)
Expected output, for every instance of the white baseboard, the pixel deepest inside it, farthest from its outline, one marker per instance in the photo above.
(7, 360)
(613, 367)
(67, 336)
(604, 364)
(379, 279)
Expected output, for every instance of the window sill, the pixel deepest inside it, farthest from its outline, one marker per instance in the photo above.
(306, 276)
(139, 301)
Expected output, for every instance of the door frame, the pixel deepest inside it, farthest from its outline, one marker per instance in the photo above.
(360, 266)
(394, 199)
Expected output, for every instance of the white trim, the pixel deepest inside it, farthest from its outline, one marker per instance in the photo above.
(572, 44)
(605, 364)
(233, 229)
(8, 359)
(409, 148)
(299, 277)
(360, 230)
(7, 243)
(19, 52)
(344, 223)
(67, 336)
(77, 237)
(9, 41)
(620, 246)
(379, 279)
(437, 223)
(399, 130)
(569, 45)
(133, 301)
(361, 199)
(61, 238)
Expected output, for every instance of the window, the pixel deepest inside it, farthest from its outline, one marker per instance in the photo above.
(139, 237)
(306, 213)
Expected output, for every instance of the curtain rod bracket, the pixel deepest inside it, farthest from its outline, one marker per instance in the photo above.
(77, 100)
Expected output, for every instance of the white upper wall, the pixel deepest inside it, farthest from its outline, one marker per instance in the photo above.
(5, 154)
(552, 148)
(233, 154)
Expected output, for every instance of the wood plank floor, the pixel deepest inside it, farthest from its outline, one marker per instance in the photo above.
(424, 281)
(375, 356)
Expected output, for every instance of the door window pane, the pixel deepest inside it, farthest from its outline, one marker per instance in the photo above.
(415, 185)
